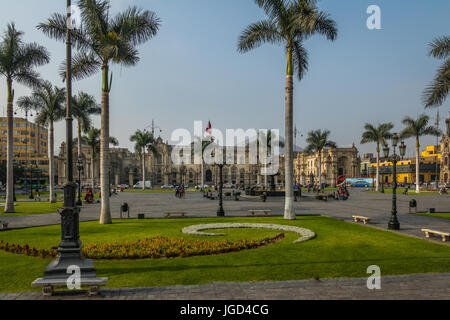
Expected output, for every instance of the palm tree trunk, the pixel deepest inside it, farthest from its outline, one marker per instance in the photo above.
(9, 205)
(320, 169)
(143, 168)
(79, 138)
(93, 169)
(289, 212)
(51, 172)
(378, 169)
(105, 215)
(417, 167)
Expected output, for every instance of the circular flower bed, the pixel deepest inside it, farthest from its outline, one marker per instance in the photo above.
(153, 248)
(306, 234)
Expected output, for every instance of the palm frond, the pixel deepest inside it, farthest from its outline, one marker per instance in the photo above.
(437, 92)
(300, 59)
(256, 34)
(136, 26)
(84, 65)
(440, 48)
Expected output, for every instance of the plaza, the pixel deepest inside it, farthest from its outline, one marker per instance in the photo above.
(341, 193)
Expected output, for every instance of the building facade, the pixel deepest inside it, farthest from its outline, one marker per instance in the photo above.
(445, 159)
(126, 168)
(30, 147)
(335, 162)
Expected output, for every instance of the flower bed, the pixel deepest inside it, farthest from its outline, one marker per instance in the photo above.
(153, 248)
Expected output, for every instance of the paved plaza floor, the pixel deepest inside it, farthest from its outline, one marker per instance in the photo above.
(403, 287)
(375, 206)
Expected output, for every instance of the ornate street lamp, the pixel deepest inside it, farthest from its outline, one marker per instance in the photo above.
(393, 223)
(70, 257)
(220, 211)
(80, 168)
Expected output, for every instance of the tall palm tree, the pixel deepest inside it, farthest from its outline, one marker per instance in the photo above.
(83, 107)
(144, 140)
(92, 139)
(378, 134)
(17, 63)
(418, 128)
(49, 102)
(289, 23)
(436, 93)
(103, 41)
(317, 141)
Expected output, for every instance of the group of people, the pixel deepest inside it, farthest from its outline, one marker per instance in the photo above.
(180, 192)
(341, 193)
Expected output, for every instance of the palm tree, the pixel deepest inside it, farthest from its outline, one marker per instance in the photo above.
(17, 63)
(84, 106)
(49, 102)
(379, 135)
(436, 93)
(418, 128)
(103, 41)
(317, 141)
(289, 25)
(92, 139)
(144, 140)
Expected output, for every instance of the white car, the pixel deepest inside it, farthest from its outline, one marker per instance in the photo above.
(168, 186)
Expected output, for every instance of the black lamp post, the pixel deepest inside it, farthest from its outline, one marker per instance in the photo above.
(220, 212)
(393, 223)
(80, 168)
(69, 251)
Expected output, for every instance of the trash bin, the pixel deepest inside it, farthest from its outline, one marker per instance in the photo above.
(141, 216)
(413, 204)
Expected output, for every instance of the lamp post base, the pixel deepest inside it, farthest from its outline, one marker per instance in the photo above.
(394, 224)
(220, 212)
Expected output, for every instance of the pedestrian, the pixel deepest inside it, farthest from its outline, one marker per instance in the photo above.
(38, 197)
(183, 191)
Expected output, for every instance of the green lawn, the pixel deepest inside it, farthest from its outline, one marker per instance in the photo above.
(436, 215)
(340, 249)
(31, 208)
(402, 190)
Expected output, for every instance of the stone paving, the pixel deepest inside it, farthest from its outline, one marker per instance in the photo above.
(403, 287)
(375, 206)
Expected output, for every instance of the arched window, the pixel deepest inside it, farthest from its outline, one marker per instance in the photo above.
(208, 176)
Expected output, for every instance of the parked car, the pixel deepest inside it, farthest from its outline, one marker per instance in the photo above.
(360, 184)
(168, 186)
(140, 184)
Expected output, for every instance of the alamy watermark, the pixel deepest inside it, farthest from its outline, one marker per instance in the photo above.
(263, 147)
(374, 20)
(74, 280)
(374, 281)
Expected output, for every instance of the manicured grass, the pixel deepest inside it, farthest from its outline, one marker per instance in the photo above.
(436, 215)
(340, 249)
(410, 191)
(31, 208)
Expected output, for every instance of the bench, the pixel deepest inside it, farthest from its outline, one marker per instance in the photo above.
(3, 225)
(168, 214)
(266, 212)
(445, 236)
(49, 284)
(361, 218)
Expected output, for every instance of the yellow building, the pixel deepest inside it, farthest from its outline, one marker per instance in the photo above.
(406, 169)
(30, 147)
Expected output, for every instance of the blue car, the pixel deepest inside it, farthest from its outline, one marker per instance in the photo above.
(360, 184)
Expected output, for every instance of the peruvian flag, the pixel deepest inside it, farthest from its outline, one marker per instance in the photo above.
(208, 129)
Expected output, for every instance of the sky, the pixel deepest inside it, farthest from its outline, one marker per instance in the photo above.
(192, 71)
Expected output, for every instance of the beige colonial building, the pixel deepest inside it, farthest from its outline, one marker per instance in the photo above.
(445, 156)
(126, 168)
(335, 162)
